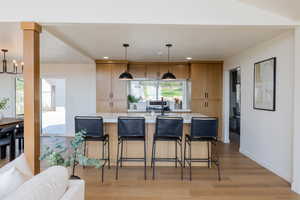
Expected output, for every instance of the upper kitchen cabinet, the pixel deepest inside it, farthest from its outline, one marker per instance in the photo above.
(181, 71)
(152, 71)
(118, 87)
(207, 80)
(138, 70)
(110, 91)
(199, 80)
(214, 81)
(103, 79)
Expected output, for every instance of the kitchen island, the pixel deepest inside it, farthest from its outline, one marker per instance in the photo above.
(135, 148)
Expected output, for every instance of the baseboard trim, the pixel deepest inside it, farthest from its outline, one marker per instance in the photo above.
(265, 165)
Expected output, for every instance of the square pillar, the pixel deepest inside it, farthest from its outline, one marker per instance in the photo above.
(32, 127)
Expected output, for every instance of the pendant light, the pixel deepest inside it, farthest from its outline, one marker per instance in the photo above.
(126, 75)
(14, 65)
(168, 75)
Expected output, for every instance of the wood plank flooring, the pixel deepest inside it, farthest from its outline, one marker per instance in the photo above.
(242, 179)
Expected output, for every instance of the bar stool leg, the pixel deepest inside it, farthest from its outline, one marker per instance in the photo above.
(153, 165)
(117, 169)
(84, 150)
(181, 160)
(208, 156)
(108, 152)
(145, 160)
(184, 154)
(152, 153)
(121, 159)
(190, 160)
(176, 158)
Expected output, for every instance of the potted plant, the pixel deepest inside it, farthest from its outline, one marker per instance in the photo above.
(3, 106)
(69, 156)
(132, 100)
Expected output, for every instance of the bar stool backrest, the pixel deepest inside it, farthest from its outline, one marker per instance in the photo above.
(93, 125)
(131, 126)
(204, 127)
(7, 130)
(169, 126)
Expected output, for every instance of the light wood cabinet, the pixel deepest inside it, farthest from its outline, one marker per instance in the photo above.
(111, 92)
(199, 80)
(153, 71)
(181, 71)
(138, 70)
(207, 87)
(214, 81)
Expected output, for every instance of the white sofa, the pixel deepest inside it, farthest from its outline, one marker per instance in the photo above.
(51, 184)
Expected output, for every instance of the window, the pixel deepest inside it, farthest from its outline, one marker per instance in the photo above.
(19, 96)
(174, 91)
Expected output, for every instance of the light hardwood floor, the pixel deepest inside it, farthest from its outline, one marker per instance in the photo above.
(242, 179)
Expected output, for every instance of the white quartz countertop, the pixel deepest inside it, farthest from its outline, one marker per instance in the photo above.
(113, 117)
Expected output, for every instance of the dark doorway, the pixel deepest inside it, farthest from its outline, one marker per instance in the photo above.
(235, 105)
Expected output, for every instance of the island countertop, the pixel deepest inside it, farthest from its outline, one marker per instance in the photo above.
(113, 117)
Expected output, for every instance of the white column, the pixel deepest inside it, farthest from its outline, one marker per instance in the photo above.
(296, 138)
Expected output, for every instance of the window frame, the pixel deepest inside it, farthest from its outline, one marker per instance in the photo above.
(185, 98)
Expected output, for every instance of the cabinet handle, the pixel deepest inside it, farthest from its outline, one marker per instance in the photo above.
(207, 96)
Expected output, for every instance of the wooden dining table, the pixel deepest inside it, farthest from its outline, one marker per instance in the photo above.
(7, 122)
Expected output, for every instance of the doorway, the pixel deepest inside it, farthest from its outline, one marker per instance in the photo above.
(235, 106)
(53, 106)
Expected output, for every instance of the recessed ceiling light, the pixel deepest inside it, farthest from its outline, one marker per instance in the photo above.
(105, 57)
(188, 58)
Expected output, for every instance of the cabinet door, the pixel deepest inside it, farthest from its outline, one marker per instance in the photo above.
(214, 81)
(164, 68)
(213, 108)
(199, 80)
(138, 70)
(152, 71)
(103, 106)
(199, 106)
(103, 81)
(118, 87)
(119, 106)
(181, 71)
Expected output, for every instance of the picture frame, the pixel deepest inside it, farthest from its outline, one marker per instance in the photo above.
(264, 90)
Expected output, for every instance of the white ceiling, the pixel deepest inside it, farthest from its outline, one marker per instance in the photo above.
(286, 8)
(147, 42)
(53, 50)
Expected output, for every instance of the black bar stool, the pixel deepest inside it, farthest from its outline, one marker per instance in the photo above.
(168, 129)
(93, 125)
(203, 129)
(20, 137)
(6, 139)
(131, 129)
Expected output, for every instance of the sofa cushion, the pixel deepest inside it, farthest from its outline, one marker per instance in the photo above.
(20, 163)
(48, 185)
(10, 180)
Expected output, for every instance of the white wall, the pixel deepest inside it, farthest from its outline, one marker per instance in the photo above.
(296, 138)
(80, 89)
(266, 137)
(7, 90)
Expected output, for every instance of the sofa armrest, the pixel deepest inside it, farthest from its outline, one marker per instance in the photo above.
(75, 190)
